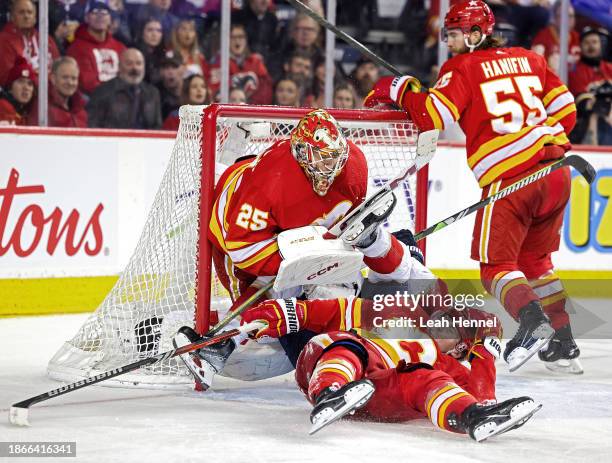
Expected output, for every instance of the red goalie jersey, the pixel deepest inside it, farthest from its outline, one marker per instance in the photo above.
(508, 103)
(257, 199)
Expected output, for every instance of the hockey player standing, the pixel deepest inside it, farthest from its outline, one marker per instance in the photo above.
(516, 114)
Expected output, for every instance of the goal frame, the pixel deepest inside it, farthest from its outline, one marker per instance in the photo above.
(210, 117)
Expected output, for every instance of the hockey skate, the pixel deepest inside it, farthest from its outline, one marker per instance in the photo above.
(561, 354)
(206, 362)
(362, 229)
(331, 405)
(533, 333)
(484, 421)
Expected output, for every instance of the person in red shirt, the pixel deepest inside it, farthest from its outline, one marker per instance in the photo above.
(516, 114)
(546, 41)
(66, 103)
(17, 100)
(247, 70)
(19, 37)
(592, 70)
(94, 48)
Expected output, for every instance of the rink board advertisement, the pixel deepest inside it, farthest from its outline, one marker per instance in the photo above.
(73, 207)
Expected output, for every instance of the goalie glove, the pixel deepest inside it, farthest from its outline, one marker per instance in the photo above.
(281, 316)
(391, 90)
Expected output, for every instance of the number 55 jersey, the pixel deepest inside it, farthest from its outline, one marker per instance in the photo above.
(508, 103)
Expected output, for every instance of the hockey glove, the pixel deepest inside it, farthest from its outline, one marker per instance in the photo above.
(483, 348)
(391, 90)
(283, 316)
(406, 237)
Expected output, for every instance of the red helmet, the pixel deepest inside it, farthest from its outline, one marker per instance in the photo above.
(318, 145)
(466, 15)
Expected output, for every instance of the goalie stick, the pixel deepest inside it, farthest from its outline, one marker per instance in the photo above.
(580, 164)
(18, 413)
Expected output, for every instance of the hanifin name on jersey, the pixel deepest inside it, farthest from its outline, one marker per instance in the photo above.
(498, 67)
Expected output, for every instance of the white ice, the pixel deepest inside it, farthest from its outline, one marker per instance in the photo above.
(267, 421)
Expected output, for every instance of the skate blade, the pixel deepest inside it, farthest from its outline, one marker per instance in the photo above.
(519, 415)
(358, 398)
(565, 366)
(520, 355)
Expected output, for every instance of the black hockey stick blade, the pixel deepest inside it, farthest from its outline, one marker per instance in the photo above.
(582, 166)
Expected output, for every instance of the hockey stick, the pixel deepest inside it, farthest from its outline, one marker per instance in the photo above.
(344, 36)
(18, 414)
(580, 164)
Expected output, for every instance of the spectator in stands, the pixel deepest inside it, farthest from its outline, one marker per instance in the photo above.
(66, 103)
(171, 83)
(19, 37)
(526, 17)
(546, 41)
(151, 44)
(345, 96)
(247, 70)
(185, 43)
(94, 48)
(159, 9)
(287, 93)
(592, 69)
(363, 77)
(260, 24)
(315, 97)
(305, 37)
(62, 24)
(195, 92)
(17, 97)
(237, 96)
(120, 24)
(591, 84)
(126, 102)
(298, 66)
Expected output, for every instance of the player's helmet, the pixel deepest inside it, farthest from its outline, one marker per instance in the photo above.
(466, 15)
(320, 148)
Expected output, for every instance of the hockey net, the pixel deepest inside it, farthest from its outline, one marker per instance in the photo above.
(169, 281)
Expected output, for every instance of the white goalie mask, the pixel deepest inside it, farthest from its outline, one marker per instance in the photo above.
(320, 148)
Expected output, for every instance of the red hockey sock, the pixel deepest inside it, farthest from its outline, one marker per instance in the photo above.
(550, 290)
(336, 367)
(446, 404)
(508, 286)
(389, 261)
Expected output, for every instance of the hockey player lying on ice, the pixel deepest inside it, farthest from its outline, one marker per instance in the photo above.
(516, 115)
(351, 365)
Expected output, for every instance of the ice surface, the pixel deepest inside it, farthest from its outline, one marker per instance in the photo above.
(267, 421)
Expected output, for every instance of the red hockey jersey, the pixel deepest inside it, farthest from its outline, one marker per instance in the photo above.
(508, 103)
(257, 199)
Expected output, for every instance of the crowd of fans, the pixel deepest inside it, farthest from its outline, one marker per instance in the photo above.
(133, 63)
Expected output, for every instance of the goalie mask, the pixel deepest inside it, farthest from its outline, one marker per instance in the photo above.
(320, 148)
(467, 16)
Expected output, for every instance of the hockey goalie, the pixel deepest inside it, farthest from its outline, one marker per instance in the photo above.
(268, 218)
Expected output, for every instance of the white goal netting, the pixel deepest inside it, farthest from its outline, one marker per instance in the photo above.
(156, 293)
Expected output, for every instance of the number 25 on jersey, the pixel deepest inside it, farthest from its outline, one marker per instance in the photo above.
(251, 218)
